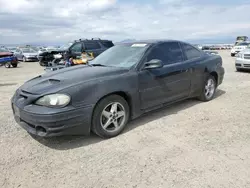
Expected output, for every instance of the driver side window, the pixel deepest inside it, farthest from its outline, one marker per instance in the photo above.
(168, 53)
(77, 48)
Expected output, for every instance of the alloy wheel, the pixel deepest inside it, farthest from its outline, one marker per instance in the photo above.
(113, 117)
(209, 88)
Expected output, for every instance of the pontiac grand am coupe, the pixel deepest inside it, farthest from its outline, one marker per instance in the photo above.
(122, 83)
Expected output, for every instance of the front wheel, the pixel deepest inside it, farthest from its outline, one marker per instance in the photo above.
(110, 116)
(232, 55)
(41, 63)
(208, 89)
(24, 59)
(14, 65)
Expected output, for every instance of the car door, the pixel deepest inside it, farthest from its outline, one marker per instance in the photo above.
(195, 58)
(166, 84)
(76, 49)
(93, 47)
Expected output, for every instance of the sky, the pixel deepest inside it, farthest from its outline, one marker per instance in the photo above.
(28, 21)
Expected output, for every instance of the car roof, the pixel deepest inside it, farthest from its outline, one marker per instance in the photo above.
(149, 41)
(89, 40)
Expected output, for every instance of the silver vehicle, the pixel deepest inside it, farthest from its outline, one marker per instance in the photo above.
(26, 54)
(243, 59)
(239, 47)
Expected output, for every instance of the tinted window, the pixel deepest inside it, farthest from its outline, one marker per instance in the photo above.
(107, 44)
(191, 52)
(76, 48)
(92, 45)
(168, 53)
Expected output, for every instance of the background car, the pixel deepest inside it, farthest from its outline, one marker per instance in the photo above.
(39, 50)
(75, 49)
(26, 54)
(8, 59)
(242, 61)
(12, 49)
(238, 48)
(94, 46)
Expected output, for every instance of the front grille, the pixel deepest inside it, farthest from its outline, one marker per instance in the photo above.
(246, 65)
(246, 56)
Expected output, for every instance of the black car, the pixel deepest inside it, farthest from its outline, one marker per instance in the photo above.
(95, 46)
(122, 83)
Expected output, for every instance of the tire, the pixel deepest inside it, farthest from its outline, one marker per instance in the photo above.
(238, 69)
(24, 59)
(204, 96)
(41, 64)
(99, 119)
(14, 65)
(7, 65)
(232, 55)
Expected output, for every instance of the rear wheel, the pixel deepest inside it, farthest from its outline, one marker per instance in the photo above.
(7, 65)
(208, 89)
(110, 116)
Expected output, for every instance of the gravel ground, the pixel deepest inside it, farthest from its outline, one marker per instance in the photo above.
(190, 144)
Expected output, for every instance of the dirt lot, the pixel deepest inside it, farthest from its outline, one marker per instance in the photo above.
(190, 144)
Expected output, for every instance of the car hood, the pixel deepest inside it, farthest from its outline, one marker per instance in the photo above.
(30, 54)
(55, 81)
(246, 51)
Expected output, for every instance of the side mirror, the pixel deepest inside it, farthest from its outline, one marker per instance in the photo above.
(153, 64)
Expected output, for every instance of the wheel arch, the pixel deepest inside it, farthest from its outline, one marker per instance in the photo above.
(122, 94)
(212, 73)
(215, 75)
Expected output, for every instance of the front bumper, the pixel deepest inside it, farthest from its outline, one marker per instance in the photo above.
(242, 63)
(47, 122)
(31, 58)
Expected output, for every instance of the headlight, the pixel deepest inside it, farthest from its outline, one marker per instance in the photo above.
(53, 100)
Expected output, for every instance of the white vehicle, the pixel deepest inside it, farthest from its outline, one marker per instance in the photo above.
(239, 47)
(243, 59)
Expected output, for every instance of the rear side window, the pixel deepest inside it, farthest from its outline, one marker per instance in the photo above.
(107, 44)
(92, 45)
(191, 52)
(168, 53)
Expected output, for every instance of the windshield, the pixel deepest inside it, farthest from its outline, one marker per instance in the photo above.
(241, 38)
(65, 46)
(28, 50)
(121, 55)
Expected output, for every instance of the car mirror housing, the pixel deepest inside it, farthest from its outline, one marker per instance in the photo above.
(153, 64)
